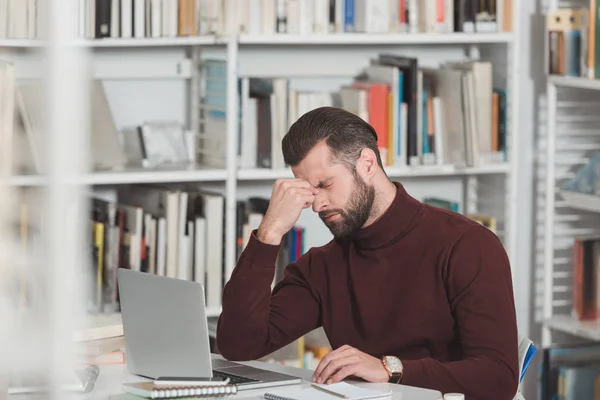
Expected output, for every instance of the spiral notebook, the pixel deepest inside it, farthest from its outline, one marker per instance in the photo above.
(340, 390)
(150, 390)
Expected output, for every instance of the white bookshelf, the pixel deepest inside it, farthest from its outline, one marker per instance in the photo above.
(570, 137)
(493, 185)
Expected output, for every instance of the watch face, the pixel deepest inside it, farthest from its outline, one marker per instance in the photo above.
(394, 364)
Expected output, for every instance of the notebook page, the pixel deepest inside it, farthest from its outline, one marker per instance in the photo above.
(342, 389)
(354, 392)
(299, 393)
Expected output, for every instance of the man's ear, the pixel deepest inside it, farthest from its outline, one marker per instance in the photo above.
(367, 164)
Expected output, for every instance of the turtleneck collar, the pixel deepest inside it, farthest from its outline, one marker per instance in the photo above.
(392, 224)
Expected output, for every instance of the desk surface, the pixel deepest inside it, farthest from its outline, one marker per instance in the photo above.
(112, 376)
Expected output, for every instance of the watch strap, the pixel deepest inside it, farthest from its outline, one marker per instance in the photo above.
(396, 377)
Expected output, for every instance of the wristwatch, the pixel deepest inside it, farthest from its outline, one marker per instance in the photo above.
(394, 368)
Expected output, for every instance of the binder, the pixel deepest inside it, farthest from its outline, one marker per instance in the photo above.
(150, 390)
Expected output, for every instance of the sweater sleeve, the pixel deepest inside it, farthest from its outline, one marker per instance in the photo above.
(255, 321)
(479, 289)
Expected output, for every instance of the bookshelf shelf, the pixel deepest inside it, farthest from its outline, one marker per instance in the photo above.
(373, 39)
(19, 43)
(589, 330)
(156, 42)
(265, 174)
(574, 82)
(141, 176)
(581, 201)
(131, 176)
(349, 39)
(124, 42)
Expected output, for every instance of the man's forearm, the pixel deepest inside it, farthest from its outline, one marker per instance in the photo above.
(255, 322)
(242, 331)
(478, 378)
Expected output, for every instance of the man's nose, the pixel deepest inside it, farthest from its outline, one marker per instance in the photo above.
(320, 203)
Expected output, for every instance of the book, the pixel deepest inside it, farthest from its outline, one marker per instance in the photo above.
(151, 390)
(340, 390)
(527, 351)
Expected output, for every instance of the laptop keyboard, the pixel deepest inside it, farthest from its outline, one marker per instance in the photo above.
(235, 379)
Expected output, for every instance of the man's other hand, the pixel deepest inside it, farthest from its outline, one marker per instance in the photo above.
(347, 361)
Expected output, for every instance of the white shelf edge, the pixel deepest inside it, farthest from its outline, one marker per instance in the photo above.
(574, 82)
(265, 174)
(257, 174)
(375, 38)
(284, 39)
(19, 43)
(156, 42)
(125, 177)
(581, 201)
(123, 42)
(567, 324)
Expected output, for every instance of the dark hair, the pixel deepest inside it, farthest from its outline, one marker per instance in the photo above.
(345, 133)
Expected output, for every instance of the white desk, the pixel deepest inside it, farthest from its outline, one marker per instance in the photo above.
(112, 376)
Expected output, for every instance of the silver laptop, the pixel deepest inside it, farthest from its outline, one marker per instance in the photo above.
(166, 333)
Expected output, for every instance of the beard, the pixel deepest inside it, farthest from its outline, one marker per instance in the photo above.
(357, 211)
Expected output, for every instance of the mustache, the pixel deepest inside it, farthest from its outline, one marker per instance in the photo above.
(328, 213)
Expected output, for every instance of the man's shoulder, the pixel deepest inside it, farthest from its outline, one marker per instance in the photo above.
(449, 223)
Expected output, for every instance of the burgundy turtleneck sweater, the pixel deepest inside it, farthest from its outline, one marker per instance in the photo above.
(429, 286)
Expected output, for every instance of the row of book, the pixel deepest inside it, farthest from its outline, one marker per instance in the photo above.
(447, 115)
(570, 372)
(23, 19)
(174, 232)
(374, 16)
(451, 115)
(573, 37)
(96, 19)
(20, 19)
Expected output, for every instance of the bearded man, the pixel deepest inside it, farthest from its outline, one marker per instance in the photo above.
(405, 292)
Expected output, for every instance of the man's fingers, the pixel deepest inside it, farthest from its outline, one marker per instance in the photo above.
(343, 373)
(333, 355)
(334, 366)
